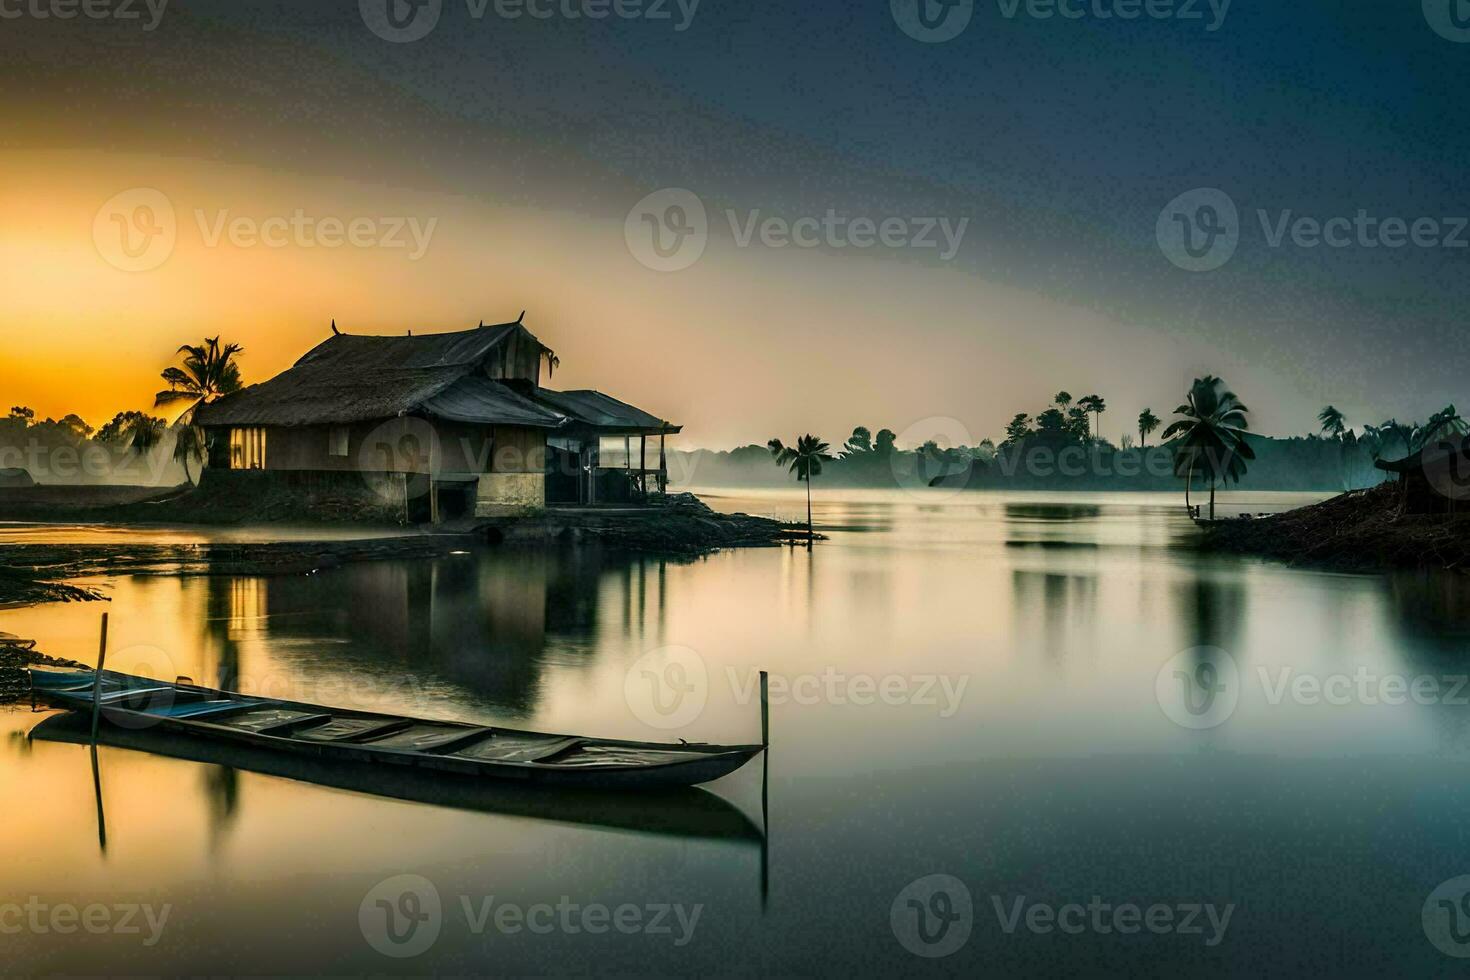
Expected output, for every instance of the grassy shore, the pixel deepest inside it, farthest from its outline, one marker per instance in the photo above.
(1358, 531)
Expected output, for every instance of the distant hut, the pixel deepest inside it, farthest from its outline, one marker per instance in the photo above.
(15, 479)
(1436, 479)
(450, 424)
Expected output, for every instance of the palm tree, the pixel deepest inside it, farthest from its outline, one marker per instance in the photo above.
(1147, 423)
(209, 372)
(1445, 421)
(805, 460)
(1211, 431)
(1096, 405)
(1063, 399)
(1333, 422)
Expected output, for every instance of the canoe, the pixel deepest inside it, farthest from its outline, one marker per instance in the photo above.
(342, 735)
(681, 813)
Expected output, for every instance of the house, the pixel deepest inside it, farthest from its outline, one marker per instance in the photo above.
(1436, 478)
(446, 425)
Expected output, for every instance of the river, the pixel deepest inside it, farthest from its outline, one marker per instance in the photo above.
(999, 722)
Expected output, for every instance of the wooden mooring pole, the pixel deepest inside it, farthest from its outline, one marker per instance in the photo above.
(97, 680)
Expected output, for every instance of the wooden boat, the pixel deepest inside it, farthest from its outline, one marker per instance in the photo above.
(681, 812)
(131, 702)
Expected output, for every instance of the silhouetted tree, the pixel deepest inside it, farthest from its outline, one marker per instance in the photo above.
(1211, 434)
(883, 442)
(1333, 422)
(860, 442)
(1018, 428)
(805, 460)
(1147, 423)
(209, 371)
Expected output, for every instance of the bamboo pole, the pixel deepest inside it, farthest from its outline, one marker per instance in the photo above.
(97, 680)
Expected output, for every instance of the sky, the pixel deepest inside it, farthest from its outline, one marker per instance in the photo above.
(862, 216)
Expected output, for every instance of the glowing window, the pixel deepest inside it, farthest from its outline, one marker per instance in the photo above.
(247, 449)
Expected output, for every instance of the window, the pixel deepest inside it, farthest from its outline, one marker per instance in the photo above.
(337, 438)
(247, 449)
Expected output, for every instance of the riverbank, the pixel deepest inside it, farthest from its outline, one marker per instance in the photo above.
(16, 657)
(681, 526)
(1358, 531)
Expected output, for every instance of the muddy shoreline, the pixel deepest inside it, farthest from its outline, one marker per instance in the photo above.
(1358, 531)
(683, 527)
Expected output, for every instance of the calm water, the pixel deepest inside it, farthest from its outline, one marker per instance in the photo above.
(1004, 690)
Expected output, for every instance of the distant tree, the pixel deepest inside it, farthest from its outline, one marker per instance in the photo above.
(1096, 405)
(22, 414)
(1063, 399)
(1018, 428)
(209, 371)
(116, 429)
(986, 449)
(1444, 422)
(805, 460)
(77, 425)
(1333, 422)
(1211, 433)
(1078, 423)
(1147, 423)
(1053, 422)
(860, 442)
(883, 442)
(1127, 441)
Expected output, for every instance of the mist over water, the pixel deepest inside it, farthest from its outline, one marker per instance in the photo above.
(976, 685)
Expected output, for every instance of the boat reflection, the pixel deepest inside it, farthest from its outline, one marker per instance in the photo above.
(688, 813)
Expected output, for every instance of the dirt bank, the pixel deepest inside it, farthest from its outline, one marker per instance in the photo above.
(1359, 531)
(15, 656)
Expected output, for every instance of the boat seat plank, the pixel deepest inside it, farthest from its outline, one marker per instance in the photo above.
(439, 739)
(516, 748)
(352, 729)
(275, 721)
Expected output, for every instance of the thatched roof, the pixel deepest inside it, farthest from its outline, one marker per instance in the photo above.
(351, 378)
(602, 411)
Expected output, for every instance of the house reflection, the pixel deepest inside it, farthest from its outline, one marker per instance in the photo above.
(481, 622)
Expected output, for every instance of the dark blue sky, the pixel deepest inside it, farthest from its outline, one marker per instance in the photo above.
(1061, 141)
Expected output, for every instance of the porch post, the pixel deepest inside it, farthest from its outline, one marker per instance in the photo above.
(663, 465)
(643, 463)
